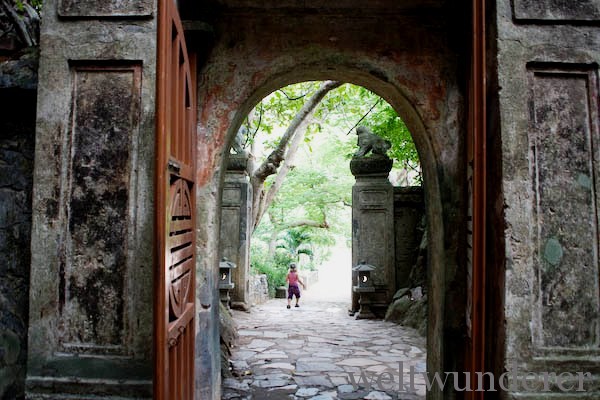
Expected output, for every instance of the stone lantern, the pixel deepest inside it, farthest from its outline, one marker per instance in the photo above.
(364, 288)
(225, 283)
(364, 275)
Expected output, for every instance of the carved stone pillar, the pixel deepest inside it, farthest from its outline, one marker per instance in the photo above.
(236, 213)
(549, 136)
(373, 227)
(90, 320)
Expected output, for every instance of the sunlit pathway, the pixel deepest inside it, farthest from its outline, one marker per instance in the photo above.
(312, 352)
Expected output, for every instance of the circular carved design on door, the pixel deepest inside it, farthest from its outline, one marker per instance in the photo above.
(180, 253)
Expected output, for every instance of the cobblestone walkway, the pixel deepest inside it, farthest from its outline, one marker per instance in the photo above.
(314, 351)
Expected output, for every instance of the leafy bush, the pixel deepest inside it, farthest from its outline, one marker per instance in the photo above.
(275, 268)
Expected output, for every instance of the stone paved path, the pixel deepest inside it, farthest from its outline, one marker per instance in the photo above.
(312, 352)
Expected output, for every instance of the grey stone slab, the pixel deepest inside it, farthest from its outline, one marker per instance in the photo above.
(313, 380)
(249, 332)
(260, 345)
(358, 362)
(275, 335)
(322, 397)
(306, 392)
(345, 388)
(284, 366)
(235, 384)
(264, 377)
(375, 395)
(316, 366)
(271, 383)
(242, 354)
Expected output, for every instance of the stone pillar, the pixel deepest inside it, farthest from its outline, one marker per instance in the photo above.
(408, 212)
(236, 214)
(90, 324)
(373, 228)
(549, 137)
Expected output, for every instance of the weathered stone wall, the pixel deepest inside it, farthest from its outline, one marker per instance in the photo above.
(17, 141)
(92, 243)
(547, 59)
(408, 213)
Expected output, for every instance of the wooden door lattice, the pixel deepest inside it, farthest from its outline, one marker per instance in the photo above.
(175, 202)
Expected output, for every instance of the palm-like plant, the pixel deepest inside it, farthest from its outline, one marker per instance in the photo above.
(296, 242)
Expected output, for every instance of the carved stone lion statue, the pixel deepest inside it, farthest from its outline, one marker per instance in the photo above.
(238, 143)
(370, 142)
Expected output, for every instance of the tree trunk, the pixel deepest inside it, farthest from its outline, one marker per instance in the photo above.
(271, 165)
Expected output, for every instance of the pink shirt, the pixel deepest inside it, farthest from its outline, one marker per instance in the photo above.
(292, 278)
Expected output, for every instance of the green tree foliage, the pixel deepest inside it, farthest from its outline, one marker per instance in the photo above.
(275, 267)
(312, 207)
(21, 4)
(296, 241)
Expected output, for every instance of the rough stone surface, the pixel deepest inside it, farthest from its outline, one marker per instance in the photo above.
(553, 10)
(99, 8)
(408, 212)
(17, 140)
(236, 212)
(20, 72)
(92, 240)
(228, 338)
(325, 353)
(548, 140)
(259, 289)
(373, 238)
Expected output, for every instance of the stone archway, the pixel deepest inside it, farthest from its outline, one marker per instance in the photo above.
(412, 68)
(431, 186)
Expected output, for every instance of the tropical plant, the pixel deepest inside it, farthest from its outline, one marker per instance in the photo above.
(296, 242)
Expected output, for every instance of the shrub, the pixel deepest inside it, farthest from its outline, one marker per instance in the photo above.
(275, 268)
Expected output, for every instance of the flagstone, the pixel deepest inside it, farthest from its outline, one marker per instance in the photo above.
(249, 332)
(242, 355)
(320, 349)
(313, 380)
(322, 397)
(316, 366)
(358, 362)
(286, 366)
(377, 396)
(306, 392)
(274, 334)
(260, 345)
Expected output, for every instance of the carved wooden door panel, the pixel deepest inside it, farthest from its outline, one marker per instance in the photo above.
(175, 204)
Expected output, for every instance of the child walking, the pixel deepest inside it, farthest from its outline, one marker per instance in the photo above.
(293, 290)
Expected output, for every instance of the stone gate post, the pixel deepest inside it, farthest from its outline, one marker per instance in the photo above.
(90, 320)
(236, 214)
(549, 135)
(373, 227)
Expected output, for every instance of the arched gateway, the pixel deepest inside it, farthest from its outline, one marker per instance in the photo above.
(124, 286)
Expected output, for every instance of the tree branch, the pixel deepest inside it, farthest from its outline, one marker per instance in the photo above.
(308, 222)
(26, 34)
(274, 160)
(364, 116)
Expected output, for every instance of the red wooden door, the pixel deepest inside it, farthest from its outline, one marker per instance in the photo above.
(477, 175)
(175, 205)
